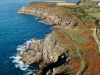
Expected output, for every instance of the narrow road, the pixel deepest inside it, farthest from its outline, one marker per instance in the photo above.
(84, 62)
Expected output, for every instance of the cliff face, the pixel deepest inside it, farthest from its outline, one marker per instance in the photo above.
(66, 51)
(52, 53)
(51, 14)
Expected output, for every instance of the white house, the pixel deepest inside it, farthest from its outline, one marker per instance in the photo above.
(98, 3)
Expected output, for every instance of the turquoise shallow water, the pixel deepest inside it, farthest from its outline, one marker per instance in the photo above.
(15, 30)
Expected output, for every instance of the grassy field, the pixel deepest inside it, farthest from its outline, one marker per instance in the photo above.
(79, 12)
(73, 36)
(66, 4)
(95, 15)
(84, 11)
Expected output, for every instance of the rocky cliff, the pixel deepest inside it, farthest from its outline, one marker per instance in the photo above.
(50, 13)
(52, 54)
(67, 50)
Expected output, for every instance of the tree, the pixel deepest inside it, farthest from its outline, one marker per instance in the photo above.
(79, 2)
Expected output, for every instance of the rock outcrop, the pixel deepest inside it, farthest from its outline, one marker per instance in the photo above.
(53, 54)
(54, 57)
(64, 51)
(50, 13)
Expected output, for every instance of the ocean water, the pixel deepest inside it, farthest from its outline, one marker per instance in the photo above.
(73, 0)
(16, 32)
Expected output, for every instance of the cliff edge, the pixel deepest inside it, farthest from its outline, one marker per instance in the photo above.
(52, 54)
(50, 13)
(71, 48)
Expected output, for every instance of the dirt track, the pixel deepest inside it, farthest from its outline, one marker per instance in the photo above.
(66, 4)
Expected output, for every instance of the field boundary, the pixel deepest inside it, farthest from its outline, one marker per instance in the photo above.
(96, 38)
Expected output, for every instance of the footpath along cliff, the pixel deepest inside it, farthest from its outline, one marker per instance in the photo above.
(68, 49)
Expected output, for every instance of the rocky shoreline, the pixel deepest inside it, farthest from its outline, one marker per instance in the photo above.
(51, 14)
(52, 54)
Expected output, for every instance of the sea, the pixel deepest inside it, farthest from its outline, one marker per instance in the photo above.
(16, 32)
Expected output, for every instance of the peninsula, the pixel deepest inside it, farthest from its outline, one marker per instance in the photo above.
(73, 47)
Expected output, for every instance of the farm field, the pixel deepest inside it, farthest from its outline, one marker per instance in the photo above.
(96, 15)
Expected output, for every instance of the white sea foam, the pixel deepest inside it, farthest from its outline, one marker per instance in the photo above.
(21, 49)
(43, 22)
(36, 18)
(28, 72)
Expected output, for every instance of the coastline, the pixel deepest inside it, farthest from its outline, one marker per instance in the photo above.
(51, 14)
(49, 51)
(61, 52)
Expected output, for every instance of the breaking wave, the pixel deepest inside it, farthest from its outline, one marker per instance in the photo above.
(16, 58)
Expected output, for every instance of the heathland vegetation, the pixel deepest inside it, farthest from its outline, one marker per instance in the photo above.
(89, 15)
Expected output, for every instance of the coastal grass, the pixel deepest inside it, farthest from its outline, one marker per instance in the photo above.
(84, 63)
(79, 12)
(95, 15)
(76, 35)
(84, 12)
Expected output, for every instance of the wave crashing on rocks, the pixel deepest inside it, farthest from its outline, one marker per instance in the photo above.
(16, 58)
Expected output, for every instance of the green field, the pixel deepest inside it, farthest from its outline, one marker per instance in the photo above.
(95, 15)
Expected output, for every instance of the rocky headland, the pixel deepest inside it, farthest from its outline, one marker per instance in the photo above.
(50, 13)
(53, 55)
(66, 50)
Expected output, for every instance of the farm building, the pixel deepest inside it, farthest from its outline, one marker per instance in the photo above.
(98, 3)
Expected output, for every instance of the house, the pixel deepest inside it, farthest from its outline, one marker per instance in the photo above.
(97, 3)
